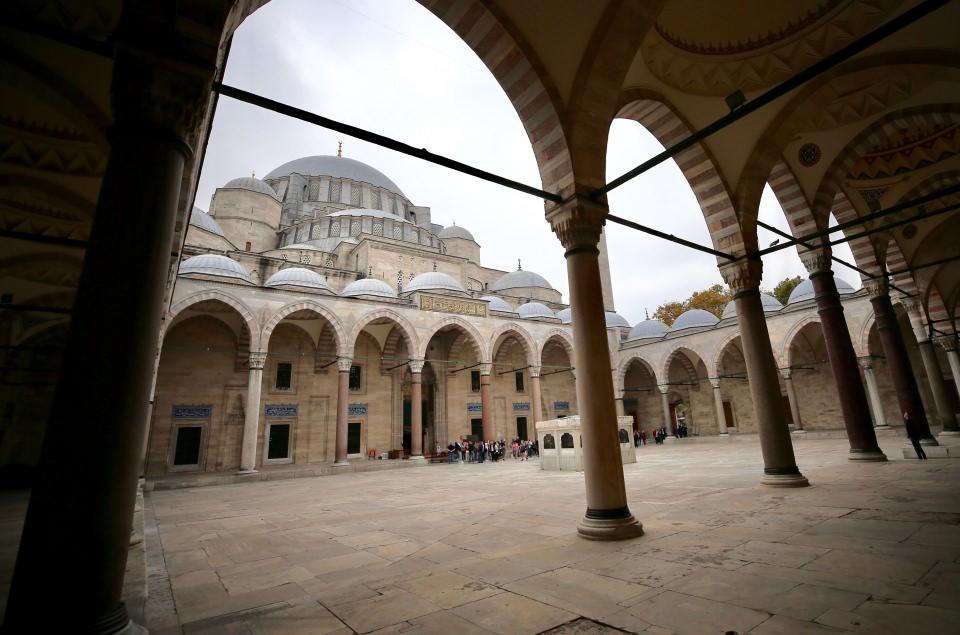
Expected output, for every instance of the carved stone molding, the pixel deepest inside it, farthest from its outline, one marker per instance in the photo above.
(817, 260)
(257, 360)
(344, 364)
(877, 287)
(948, 342)
(578, 222)
(535, 371)
(416, 365)
(742, 275)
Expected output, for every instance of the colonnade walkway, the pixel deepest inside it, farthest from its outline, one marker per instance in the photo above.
(870, 547)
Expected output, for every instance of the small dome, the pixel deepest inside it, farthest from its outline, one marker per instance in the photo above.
(455, 232)
(297, 277)
(433, 281)
(615, 320)
(520, 279)
(252, 184)
(565, 315)
(770, 305)
(499, 304)
(648, 329)
(804, 290)
(535, 310)
(214, 265)
(202, 220)
(693, 318)
(369, 286)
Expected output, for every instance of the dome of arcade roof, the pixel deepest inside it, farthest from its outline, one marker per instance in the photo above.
(339, 167)
(565, 315)
(770, 305)
(534, 310)
(520, 279)
(498, 304)
(215, 265)
(202, 220)
(251, 184)
(369, 286)
(804, 290)
(647, 329)
(614, 319)
(694, 318)
(297, 277)
(455, 231)
(434, 281)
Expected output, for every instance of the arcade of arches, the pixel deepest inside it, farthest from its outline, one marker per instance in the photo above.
(99, 119)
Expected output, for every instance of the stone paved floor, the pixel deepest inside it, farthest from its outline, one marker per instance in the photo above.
(869, 548)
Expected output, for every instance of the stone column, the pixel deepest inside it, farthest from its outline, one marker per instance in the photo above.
(779, 464)
(578, 223)
(718, 404)
(618, 401)
(876, 404)
(73, 548)
(843, 359)
(898, 363)
(938, 387)
(787, 375)
(343, 401)
(416, 409)
(949, 344)
(665, 406)
(536, 411)
(486, 403)
(251, 421)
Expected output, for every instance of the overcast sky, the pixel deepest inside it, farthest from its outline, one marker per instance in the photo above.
(390, 66)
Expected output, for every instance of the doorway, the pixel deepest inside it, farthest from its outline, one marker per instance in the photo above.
(278, 443)
(354, 438)
(476, 429)
(186, 453)
(522, 428)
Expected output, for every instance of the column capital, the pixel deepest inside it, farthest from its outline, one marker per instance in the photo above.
(257, 360)
(715, 382)
(485, 368)
(866, 363)
(877, 287)
(578, 221)
(786, 373)
(948, 342)
(663, 389)
(344, 364)
(535, 371)
(416, 365)
(817, 260)
(742, 275)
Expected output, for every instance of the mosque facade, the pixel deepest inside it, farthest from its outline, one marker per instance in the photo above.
(311, 306)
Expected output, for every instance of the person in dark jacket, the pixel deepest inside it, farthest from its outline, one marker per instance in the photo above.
(914, 435)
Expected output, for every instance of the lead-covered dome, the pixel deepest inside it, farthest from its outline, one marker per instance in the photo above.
(499, 304)
(339, 167)
(369, 286)
(455, 231)
(804, 290)
(647, 329)
(614, 319)
(252, 184)
(201, 220)
(297, 277)
(565, 315)
(434, 281)
(214, 265)
(520, 279)
(770, 305)
(694, 318)
(532, 310)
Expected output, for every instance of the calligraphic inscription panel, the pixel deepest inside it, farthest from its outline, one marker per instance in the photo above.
(452, 305)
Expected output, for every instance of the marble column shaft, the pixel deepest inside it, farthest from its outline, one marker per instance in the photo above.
(876, 404)
(251, 420)
(721, 415)
(343, 400)
(416, 408)
(486, 403)
(938, 387)
(665, 408)
(792, 399)
(535, 407)
(954, 360)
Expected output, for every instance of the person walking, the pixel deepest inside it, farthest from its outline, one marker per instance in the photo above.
(914, 436)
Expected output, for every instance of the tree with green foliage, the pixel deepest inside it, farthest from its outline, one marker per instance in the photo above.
(712, 299)
(785, 287)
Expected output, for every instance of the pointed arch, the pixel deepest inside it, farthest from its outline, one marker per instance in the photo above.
(220, 296)
(305, 305)
(400, 325)
(679, 352)
(476, 340)
(522, 336)
(624, 368)
(788, 339)
(565, 339)
(721, 350)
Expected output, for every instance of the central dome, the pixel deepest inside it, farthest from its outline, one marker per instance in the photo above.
(339, 167)
(520, 279)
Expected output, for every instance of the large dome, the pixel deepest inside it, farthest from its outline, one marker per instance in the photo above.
(520, 279)
(297, 277)
(253, 185)
(340, 167)
(214, 265)
(369, 286)
(455, 231)
(770, 305)
(693, 318)
(648, 329)
(804, 290)
(434, 281)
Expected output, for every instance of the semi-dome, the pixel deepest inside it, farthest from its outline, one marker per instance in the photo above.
(369, 286)
(214, 265)
(498, 304)
(520, 279)
(297, 277)
(455, 231)
(532, 310)
(804, 290)
(338, 167)
(434, 281)
(201, 220)
(770, 305)
(694, 318)
(647, 329)
(565, 315)
(614, 319)
(252, 184)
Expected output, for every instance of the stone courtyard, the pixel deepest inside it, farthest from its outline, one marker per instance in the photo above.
(492, 548)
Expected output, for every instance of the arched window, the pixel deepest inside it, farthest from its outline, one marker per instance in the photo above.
(549, 443)
(566, 441)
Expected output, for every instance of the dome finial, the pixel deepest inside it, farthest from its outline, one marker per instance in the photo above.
(519, 268)
(253, 174)
(646, 313)
(339, 149)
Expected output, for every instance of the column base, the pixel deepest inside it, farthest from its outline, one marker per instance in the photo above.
(928, 441)
(800, 431)
(670, 438)
(417, 459)
(723, 434)
(794, 479)
(249, 472)
(950, 433)
(341, 465)
(621, 526)
(132, 628)
(866, 455)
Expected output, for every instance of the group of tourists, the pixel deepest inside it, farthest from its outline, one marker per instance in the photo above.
(468, 451)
